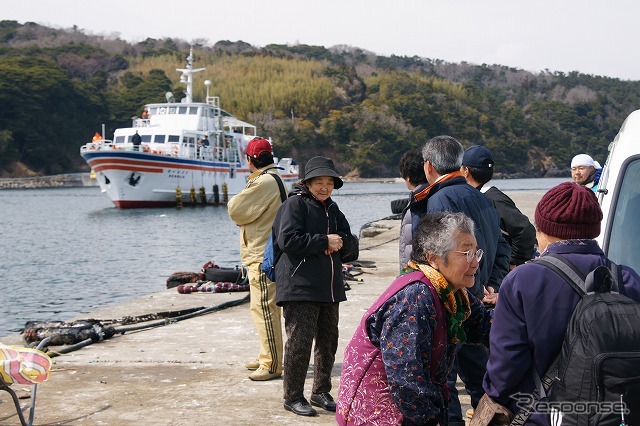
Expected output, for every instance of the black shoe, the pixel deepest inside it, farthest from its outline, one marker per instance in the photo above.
(300, 407)
(323, 400)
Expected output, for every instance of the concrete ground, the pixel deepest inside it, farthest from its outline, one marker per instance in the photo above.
(192, 372)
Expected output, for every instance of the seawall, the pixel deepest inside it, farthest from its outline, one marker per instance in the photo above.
(70, 180)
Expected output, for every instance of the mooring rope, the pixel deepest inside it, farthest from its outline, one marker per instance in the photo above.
(123, 330)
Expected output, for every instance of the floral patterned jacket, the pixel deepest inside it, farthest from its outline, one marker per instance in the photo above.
(388, 376)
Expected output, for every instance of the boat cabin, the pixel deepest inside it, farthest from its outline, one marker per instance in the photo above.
(179, 130)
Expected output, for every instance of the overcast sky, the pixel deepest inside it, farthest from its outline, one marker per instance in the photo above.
(590, 36)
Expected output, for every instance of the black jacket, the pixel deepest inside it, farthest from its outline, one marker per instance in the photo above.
(303, 272)
(515, 226)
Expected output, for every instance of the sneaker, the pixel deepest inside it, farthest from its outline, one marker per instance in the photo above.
(262, 374)
(323, 400)
(253, 365)
(300, 407)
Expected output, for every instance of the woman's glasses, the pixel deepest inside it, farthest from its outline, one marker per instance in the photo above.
(470, 254)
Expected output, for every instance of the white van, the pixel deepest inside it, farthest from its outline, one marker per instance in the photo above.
(619, 196)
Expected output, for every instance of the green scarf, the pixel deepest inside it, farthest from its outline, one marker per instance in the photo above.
(456, 302)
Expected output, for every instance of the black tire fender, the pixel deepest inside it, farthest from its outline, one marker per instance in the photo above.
(397, 206)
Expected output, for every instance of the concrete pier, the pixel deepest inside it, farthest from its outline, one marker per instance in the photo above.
(192, 372)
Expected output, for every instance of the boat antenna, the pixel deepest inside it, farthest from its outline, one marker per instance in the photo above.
(187, 76)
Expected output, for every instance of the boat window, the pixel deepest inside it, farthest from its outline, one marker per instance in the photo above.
(119, 139)
(623, 243)
(174, 138)
(193, 110)
(145, 138)
(158, 138)
(182, 110)
(152, 111)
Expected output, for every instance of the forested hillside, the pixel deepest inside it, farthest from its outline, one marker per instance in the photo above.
(59, 87)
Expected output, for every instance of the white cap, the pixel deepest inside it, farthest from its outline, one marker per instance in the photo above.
(584, 160)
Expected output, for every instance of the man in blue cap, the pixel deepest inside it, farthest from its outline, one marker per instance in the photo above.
(477, 168)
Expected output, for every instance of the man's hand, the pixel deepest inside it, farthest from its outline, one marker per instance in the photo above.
(490, 296)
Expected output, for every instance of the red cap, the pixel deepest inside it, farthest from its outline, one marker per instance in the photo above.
(257, 146)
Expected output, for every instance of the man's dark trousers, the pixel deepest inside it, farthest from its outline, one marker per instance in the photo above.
(470, 364)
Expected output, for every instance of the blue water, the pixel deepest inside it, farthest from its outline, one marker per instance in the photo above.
(65, 252)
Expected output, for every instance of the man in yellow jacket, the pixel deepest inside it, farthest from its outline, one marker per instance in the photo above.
(253, 210)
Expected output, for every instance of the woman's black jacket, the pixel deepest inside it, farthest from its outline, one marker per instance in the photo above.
(304, 273)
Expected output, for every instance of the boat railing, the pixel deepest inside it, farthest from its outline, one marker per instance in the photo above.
(183, 150)
(141, 122)
(97, 145)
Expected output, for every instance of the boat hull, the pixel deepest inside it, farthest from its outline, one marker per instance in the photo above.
(141, 180)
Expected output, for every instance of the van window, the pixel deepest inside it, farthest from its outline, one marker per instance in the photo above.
(623, 245)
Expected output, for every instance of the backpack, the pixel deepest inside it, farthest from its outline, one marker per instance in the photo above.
(596, 378)
(269, 258)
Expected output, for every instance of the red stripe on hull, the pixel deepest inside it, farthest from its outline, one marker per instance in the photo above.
(111, 163)
(128, 168)
(131, 204)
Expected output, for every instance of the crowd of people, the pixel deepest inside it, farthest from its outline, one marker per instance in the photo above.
(470, 303)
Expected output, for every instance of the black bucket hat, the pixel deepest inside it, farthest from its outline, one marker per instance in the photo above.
(322, 166)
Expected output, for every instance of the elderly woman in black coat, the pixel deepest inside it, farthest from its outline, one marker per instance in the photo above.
(314, 238)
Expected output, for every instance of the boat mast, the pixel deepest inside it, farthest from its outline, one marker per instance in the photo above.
(187, 77)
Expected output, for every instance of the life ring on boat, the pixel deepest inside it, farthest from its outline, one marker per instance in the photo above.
(145, 148)
(162, 110)
(174, 150)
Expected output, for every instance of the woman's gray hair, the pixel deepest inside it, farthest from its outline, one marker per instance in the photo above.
(437, 233)
(444, 153)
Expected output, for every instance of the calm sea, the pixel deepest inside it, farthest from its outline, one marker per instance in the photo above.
(65, 252)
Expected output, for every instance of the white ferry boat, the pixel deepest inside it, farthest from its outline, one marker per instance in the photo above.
(187, 153)
(619, 196)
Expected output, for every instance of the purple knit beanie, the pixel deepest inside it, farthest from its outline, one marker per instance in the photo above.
(569, 211)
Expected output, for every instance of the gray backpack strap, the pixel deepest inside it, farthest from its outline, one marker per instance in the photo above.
(587, 284)
(566, 270)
